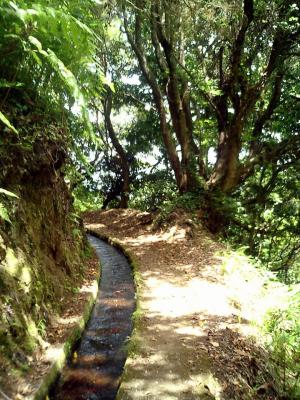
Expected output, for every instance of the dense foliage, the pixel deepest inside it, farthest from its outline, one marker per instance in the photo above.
(45, 54)
(284, 327)
(162, 104)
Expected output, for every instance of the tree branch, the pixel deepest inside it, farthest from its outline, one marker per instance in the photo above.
(137, 46)
(266, 115)
(272, 154)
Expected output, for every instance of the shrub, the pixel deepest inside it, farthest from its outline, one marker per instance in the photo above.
(284, 328)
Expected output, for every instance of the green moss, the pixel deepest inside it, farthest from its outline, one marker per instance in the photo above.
(87, 252)
(41, 256)
(30, 344)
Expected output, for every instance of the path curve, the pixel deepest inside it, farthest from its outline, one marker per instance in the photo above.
(97, 365)
(194, 338)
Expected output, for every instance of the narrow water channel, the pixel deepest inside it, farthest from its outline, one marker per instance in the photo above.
(96, 367)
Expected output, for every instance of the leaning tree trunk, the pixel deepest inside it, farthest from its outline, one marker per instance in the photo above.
(124, 164)
(178, 99)
(135, 41)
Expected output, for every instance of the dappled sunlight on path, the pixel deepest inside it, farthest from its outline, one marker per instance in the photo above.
(196, 296)
(190, 341)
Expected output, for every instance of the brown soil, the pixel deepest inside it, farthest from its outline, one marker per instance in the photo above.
(194, 339)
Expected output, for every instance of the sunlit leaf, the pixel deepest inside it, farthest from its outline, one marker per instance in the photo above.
(8, 193)
(7, 123)
(35, 42)
(4, 214)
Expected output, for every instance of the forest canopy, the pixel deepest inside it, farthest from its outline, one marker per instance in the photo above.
(166, 102)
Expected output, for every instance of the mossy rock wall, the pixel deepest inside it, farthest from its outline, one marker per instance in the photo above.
(41, 249)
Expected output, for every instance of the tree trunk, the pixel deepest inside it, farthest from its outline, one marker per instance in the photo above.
(137, 47)
(226, 173)
(124, 164)
(178, 101)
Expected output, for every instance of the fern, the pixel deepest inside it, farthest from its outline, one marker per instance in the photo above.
(68, 79)
(70, 54)
(7, 123)
(4, 213)
(3, 210)
(8, 193)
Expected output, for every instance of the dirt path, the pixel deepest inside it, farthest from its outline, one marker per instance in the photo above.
(194, 336)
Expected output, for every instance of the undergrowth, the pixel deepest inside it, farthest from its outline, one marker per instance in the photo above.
(283, 326)
(86, 200)
(275, 312)
(188, 202)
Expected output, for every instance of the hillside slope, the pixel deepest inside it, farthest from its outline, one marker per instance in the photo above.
(42, 253)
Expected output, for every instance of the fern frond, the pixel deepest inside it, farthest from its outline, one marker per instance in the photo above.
(4, 213)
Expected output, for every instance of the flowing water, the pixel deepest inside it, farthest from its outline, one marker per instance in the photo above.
(97, 364)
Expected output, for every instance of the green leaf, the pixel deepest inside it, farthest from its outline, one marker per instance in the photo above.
(105, 81)
(36, 57)
(7, 123)
(5, 84)
(67, 76)
(35, 42)
(8, 193)
(3, 213)
(71, 83)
